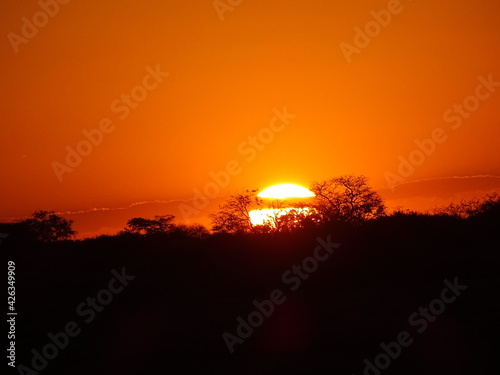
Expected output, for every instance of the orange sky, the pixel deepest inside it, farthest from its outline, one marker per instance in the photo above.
(227, 80)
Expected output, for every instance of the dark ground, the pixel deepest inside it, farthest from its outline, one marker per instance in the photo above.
(188, 292)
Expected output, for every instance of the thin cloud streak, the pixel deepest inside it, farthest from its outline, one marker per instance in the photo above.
(104, 209)
(443, 179)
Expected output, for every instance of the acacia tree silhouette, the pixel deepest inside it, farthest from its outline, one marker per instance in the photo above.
(347, 199)
(234, 215)
(160, 224)
(46, 226)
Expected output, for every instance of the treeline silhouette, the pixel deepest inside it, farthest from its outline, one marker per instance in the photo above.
(192, 284)
(345, 200)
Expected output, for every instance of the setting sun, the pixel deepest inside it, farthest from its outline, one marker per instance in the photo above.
(282, 191)
(286, 191)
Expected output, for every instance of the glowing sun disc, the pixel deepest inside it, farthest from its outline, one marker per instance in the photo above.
(286, 191)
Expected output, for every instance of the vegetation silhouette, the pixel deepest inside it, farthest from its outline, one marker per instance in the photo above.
(345, 199)
(234, 215)
(160, 224)
(43, 226)
(192, 284)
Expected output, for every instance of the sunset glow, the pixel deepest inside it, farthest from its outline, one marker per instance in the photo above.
(286, 191)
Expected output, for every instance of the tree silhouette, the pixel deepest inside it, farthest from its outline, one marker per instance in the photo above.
(287, 215)
(289, 221)
(234, 215)
(46, 226)
(284, 215)
(347, 199)
(160, 224)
